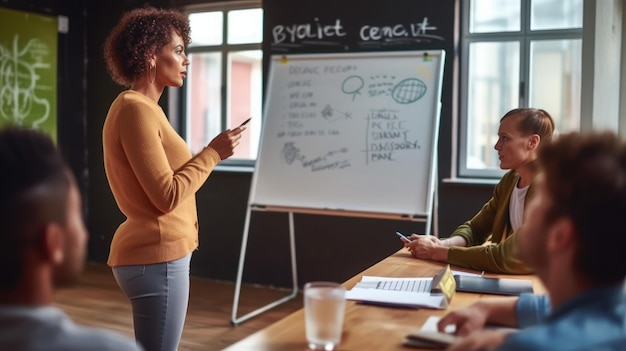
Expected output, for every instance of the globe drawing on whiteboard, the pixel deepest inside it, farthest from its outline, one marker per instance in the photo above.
(408, 90)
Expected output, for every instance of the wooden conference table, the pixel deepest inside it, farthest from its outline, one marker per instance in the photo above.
(369, 327)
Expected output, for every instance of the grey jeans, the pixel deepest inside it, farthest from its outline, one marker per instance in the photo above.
(159, 295)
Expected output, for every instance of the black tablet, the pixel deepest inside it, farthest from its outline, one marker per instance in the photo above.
(498, 286)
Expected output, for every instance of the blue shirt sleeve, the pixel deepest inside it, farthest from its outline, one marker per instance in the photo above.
(532, 309)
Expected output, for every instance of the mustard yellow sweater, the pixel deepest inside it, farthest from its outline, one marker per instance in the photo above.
(154, 178)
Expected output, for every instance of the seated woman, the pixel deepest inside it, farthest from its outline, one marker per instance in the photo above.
(487, 241)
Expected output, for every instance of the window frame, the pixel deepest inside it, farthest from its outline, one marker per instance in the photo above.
(179, 97)
(525, 36)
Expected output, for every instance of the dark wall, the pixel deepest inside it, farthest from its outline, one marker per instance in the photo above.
(327, 247)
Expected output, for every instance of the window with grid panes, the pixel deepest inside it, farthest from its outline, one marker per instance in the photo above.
(224, 82)
(515, 53)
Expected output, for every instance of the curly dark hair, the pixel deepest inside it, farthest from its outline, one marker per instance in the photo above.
(139, 34)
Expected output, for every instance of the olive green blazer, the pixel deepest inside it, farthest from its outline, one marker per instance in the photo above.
(490, 241)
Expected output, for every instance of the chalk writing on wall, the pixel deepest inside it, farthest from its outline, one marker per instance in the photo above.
(333, 33)
(19, 100)
(28, 70)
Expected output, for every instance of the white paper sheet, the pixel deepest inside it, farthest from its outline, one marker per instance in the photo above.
(370, 294)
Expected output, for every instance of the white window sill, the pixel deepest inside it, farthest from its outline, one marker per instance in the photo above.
(470, 181)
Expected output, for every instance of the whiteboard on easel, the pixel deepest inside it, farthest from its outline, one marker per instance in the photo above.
(350, 132)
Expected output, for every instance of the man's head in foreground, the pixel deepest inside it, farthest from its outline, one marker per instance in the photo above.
(43, 234)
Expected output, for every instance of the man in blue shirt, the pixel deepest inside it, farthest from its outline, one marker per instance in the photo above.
(573, 236)
(42, 247)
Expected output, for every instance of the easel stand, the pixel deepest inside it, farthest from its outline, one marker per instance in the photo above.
(292, 247)
(242, 258)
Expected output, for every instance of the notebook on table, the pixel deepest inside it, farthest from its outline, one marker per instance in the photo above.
(428, 339)
(428, 336)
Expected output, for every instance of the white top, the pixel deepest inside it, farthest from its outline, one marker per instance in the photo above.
(516, 206)
(49, 328)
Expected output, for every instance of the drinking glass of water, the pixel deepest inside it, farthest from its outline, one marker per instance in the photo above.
(324, 308)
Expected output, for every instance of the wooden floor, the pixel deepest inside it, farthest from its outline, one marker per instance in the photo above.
(97, 301)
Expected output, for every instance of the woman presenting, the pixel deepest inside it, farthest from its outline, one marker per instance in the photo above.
(487, 241)
(152, 174)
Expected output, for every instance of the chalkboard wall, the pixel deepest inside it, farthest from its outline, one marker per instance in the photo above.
(336, 26)
(378, 25)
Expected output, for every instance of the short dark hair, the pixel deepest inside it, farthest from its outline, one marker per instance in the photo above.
(34, 192)
(533, 121)
(140, 33)
(585, 177)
